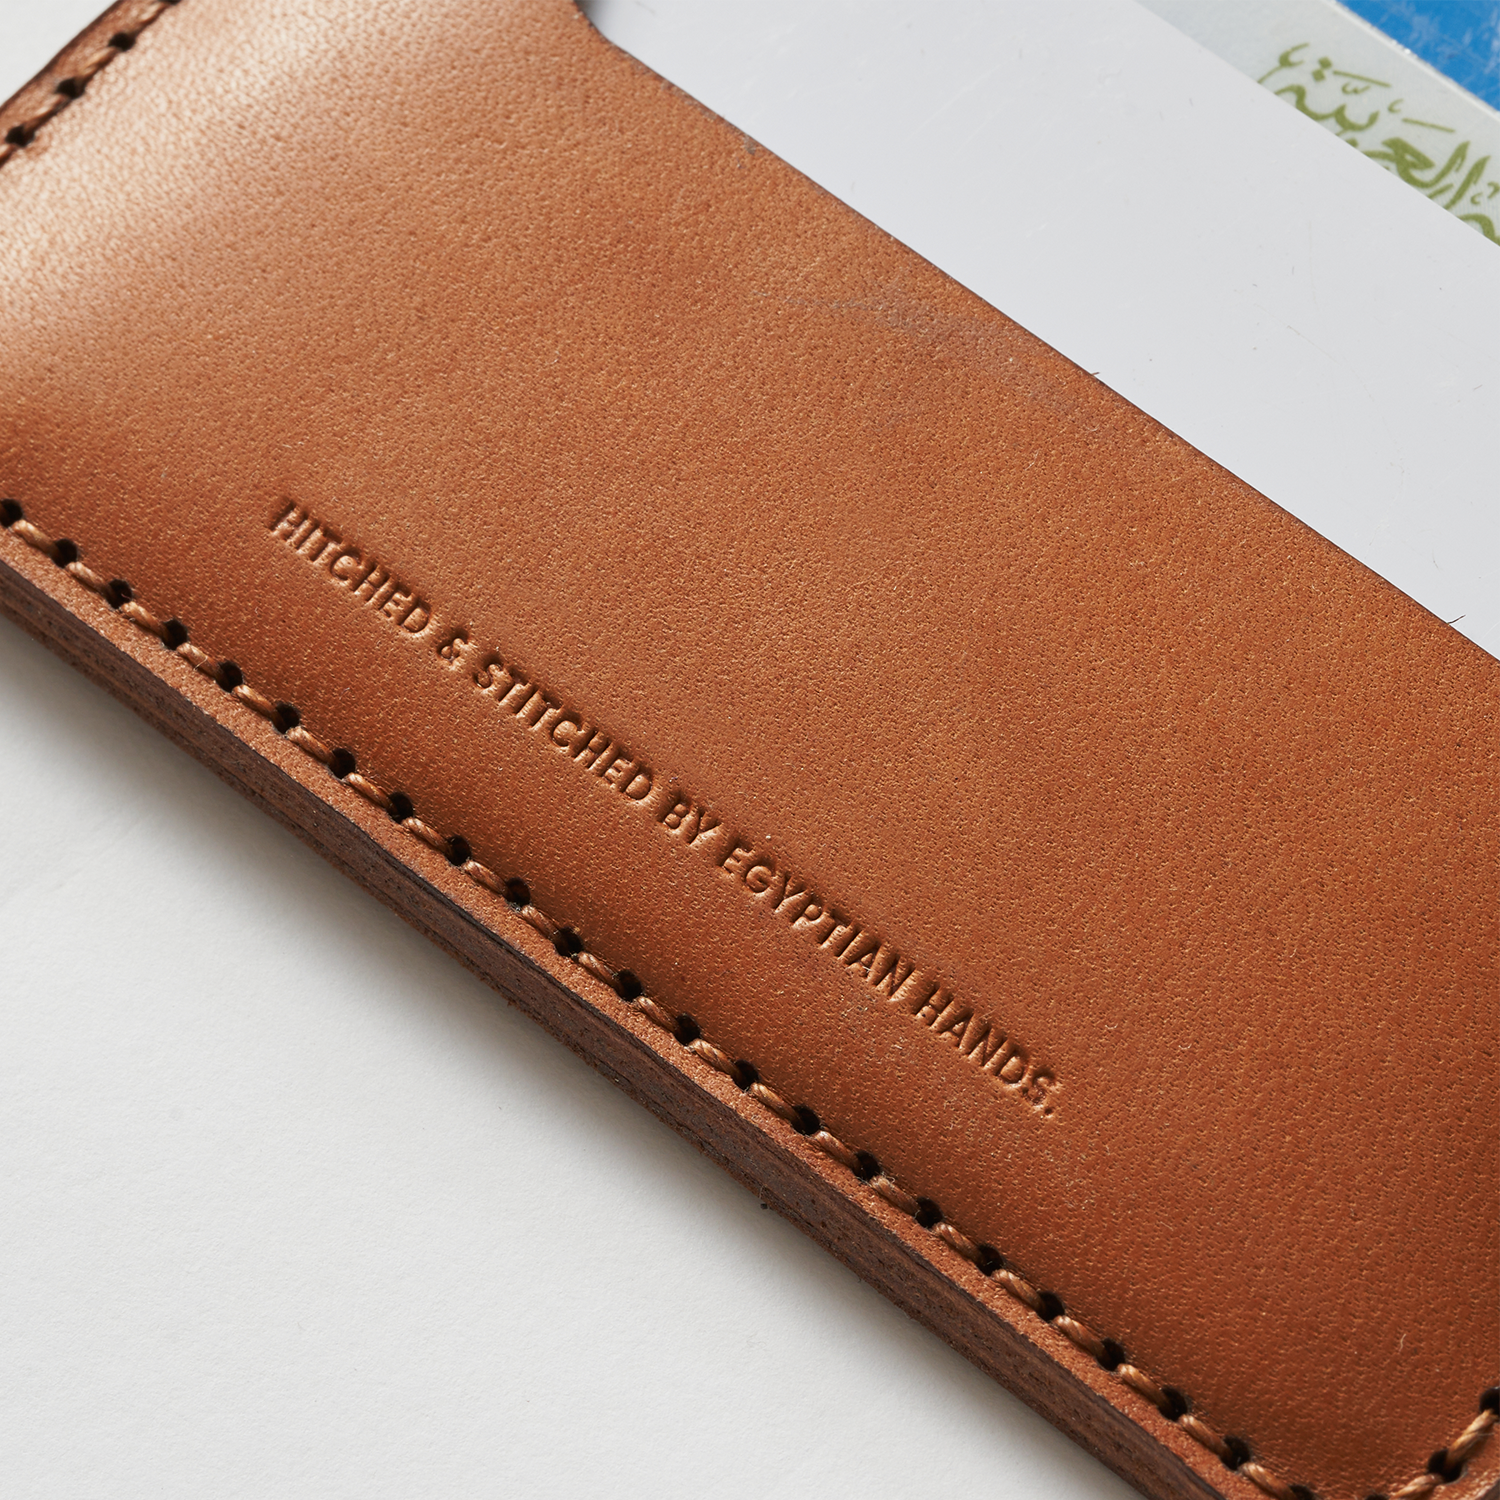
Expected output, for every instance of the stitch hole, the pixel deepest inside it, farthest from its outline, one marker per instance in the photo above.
(1113, 1356)
(122, 41)
(17, 135)
(72, 88)
(746, 1073)
(628, 986)
(1239, 1453)
(173, 634)
(1377, 1497)
(459, 851)
(1052, 1307)
(567, 942)
(866, 1165)
(343, 763)
(1440, 1466)
(64, 551)
(287, 716)
(807, 1121)
(928, 1213)
(1490, 1401)
(990, 1260)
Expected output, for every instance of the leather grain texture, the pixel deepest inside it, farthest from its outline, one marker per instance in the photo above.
(1061, 821)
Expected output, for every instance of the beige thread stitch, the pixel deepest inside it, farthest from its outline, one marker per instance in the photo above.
(1443, 1468)
(70, 88)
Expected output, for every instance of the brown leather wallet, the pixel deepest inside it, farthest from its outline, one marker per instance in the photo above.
(1054, 876)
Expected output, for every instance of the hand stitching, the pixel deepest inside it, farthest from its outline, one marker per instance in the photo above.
(72, 85)
(1445, 1466)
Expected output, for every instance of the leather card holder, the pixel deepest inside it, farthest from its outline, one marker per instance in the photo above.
(1054, 876)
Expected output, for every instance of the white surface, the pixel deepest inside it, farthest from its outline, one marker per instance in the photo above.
(1286, 306)
(32, 32)
(292, 1207)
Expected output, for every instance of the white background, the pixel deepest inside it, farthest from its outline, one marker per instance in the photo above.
(294, 1207)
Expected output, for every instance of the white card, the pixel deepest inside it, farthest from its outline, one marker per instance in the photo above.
(1285, 304)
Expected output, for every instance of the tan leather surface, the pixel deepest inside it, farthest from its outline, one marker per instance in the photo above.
(1193, 808)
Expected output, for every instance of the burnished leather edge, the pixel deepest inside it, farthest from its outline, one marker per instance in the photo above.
(262, 749)
(67, 77)
(881, 1245)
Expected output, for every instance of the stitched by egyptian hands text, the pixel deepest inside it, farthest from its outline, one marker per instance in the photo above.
(863, 955)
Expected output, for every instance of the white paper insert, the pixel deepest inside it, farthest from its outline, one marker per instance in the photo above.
(1285, 304)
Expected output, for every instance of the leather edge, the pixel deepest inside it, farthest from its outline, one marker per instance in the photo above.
(886, 1248)
(68, 75)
